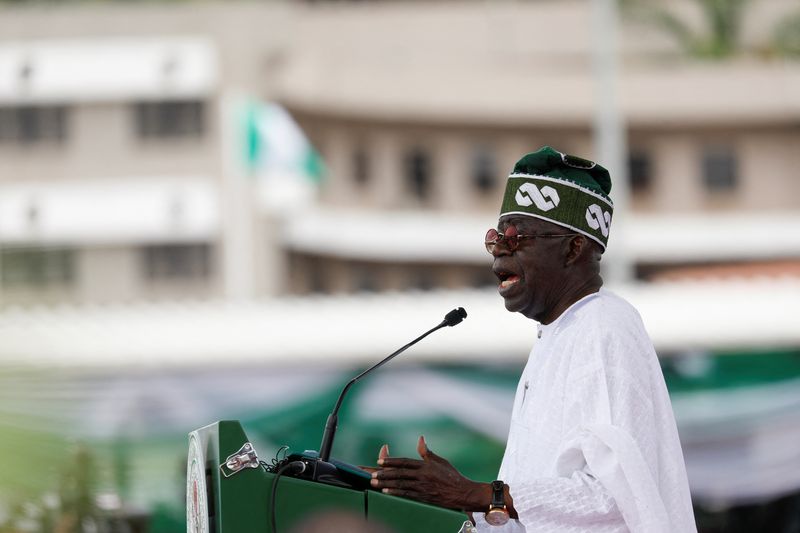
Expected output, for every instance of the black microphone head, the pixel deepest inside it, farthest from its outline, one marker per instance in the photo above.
(455, 316)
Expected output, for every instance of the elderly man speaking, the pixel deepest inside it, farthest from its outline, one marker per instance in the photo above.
(593, 444)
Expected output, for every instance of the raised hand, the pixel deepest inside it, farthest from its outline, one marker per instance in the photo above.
(431, 479)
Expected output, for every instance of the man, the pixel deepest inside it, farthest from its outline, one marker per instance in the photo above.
(593, 444)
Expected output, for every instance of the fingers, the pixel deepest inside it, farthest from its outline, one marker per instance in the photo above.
(400, 462)
(370, 469)
(406, 488)
(405, 484)
(413, 495)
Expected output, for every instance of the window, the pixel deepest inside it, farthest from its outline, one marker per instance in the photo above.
(421, 279)
(720, 172)
(317, 279)
(159, 120)
(418, 173)
(361, 166)
(483, 277)
(364, 278)
(177, 261)
(28, 124)
(37, 267)
(484, 168)
(640, 171)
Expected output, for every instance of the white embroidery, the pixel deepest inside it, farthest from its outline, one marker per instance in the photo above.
(545, 199)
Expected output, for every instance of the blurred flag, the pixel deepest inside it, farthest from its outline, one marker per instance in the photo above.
(276, 147)
(287, 168)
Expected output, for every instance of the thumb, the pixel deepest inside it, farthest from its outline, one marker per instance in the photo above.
(422, 447)
(384, 453)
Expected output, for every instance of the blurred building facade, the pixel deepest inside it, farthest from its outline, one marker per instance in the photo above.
(121, 144)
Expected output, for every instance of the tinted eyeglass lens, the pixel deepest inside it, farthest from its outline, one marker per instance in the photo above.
(509, 238)
(491, 239)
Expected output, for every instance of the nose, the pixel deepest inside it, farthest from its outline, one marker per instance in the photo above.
(500, 249)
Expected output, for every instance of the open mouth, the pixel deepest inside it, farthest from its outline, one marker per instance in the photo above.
(507, 279)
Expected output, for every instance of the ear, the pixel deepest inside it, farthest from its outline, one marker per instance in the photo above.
(576, 247)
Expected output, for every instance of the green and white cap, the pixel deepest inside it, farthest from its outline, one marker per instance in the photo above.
(563, 189)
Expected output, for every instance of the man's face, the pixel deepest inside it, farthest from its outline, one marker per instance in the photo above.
(531, 276)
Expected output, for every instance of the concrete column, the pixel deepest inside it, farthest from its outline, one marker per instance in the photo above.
(237, 201)
(677, 182)
(270, 256)
(452, 185)
(99, 137)
(386, 188)
(768, 175)
(338, 188)
(109, 274)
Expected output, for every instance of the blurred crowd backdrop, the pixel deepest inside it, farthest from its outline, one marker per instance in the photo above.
(224, 210)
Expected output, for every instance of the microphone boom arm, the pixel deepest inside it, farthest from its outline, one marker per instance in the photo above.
(451, 319)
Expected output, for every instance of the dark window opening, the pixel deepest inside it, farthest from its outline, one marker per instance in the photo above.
(28, 124)
(364, 279)
(720, 169)
(177, 261)
(640, 171)
(421, 279)
(418, 173)
(483, 277)
(484, 168)
(361, 166)
(36, 267)
(158, 120)
(316, 275)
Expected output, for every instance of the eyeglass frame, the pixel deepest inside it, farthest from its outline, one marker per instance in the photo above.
(492, 244)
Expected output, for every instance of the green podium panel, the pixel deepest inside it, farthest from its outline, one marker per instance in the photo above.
(299, 500)
(240, 502)
(228, 491)
(406, 516)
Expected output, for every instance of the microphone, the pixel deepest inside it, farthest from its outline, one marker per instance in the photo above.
(451, 319)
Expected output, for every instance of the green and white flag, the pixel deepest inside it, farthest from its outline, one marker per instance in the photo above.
(275, 144)
(280, 156)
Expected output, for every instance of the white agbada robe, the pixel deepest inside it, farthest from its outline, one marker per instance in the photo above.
(593, 444)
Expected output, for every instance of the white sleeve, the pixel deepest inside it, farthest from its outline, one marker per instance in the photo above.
(566, 504)
(560, 504)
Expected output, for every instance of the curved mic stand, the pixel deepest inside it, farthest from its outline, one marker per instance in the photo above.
(321, 467)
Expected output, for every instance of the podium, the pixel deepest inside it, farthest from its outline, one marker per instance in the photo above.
(222, 500)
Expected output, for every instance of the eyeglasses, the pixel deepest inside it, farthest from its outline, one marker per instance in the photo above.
(511, 238)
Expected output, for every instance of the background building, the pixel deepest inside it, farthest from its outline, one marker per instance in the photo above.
(413, 123)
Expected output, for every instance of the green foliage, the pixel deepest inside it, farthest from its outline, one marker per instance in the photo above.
(30, 459)
(71, 509)
(76, 494)
(68, 501)
(787, 36)
(720, 35)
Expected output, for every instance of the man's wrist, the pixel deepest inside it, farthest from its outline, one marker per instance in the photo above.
(478, 497)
